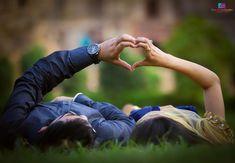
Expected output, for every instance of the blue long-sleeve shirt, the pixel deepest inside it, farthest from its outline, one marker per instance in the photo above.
(25, 112)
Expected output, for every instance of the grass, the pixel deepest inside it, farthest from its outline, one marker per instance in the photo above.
(132, 153)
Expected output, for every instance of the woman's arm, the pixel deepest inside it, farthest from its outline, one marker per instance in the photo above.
(205, 78)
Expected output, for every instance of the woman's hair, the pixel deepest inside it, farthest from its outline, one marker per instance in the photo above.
(74, 130)
(157, 129)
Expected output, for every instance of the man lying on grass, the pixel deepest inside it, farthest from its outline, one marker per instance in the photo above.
(80, 120)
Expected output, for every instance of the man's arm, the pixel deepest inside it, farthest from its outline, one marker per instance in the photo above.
(206, 79)
(116, 126)
(41, 78)
(109, 111)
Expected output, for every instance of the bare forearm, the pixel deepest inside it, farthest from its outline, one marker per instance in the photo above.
(213, 100)
(205, 78)
(201, 75)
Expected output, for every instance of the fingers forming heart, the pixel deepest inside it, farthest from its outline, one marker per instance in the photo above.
(140, 42)
(115, 46)
(120, 47)
(123, 64)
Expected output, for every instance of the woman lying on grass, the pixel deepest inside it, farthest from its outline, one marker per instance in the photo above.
(168, 122)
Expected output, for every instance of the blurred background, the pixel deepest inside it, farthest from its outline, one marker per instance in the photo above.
(196, 30)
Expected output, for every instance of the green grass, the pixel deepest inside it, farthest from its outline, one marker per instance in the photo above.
(132, 153)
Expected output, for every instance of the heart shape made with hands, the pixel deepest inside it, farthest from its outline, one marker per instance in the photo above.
(146, 45)
(131, 56)
(111, 51)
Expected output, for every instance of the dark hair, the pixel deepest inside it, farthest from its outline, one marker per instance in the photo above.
(74, 130)
(161, 128)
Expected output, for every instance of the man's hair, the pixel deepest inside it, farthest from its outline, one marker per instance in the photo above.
(160, 129)
(74, 130)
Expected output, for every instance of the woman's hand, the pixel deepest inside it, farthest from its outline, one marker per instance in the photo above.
(153, 55)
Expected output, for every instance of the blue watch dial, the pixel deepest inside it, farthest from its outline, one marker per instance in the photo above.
(93, 49)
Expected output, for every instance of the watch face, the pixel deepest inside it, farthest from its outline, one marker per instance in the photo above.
(93, 49)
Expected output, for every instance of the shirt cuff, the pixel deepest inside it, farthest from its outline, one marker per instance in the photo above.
(74, 98)
(80, 58)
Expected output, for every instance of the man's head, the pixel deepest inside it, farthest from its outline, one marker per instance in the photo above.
(157, 129)
(70, 127)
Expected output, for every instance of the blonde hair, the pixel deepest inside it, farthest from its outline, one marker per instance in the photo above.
(215, 129)
(212, 128)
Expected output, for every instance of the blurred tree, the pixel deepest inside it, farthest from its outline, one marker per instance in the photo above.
(6, 72)
(76, 84)
(199, 41)
(117, 79)
(121, 86)
(31, 56)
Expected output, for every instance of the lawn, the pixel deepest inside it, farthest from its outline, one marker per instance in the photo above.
(131, 153)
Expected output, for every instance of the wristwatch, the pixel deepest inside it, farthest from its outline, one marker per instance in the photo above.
(93, 51)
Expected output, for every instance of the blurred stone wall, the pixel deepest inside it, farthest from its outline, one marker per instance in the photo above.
(61, 24)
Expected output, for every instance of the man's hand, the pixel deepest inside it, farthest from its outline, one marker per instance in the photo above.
(111, 49)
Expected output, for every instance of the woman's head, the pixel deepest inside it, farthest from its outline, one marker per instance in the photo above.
(157, 129)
